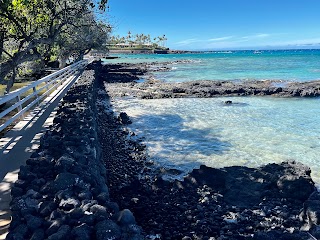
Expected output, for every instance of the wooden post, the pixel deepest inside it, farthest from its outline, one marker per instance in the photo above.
(19, 107)
(36, 95)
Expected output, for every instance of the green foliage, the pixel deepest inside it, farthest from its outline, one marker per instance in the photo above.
(27, 69)
(137, 42)
(47, 30)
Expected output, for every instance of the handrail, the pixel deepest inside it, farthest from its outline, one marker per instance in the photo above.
(51, 81)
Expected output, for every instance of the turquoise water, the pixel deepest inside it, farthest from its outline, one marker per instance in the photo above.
(185, 133)
(297, 65)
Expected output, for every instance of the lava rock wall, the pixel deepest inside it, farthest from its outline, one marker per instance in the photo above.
(62, 191)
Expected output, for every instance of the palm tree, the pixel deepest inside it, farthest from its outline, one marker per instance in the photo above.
(164, 40)
(144, 39)
(148, 39)
(157, 40)
(129, 37)
(122, 40)
(160, 40)
(136, 38)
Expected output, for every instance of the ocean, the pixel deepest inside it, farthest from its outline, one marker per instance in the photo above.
(185, 133)
(287, 65)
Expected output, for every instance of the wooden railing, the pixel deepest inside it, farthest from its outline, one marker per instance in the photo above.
(39, 89)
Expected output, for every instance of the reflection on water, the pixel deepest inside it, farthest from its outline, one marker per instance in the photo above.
(252, 131)
(169, 139)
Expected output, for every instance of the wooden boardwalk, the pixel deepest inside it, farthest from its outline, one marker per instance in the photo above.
(20, 142)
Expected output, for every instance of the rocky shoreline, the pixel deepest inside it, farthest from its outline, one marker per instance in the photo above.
(155, 89)
(62, 192)
(270, 202)
(91, 179)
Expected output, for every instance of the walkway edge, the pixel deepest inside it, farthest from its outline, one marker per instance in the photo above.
(20, 142)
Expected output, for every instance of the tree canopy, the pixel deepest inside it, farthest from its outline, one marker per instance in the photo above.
(138, 39)
(45, 30)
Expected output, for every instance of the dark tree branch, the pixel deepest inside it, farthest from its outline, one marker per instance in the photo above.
(7, 53)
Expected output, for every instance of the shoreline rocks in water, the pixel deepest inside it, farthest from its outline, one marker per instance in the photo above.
(89, 166)
(228, 203)
(207, 89)
(270, 202)
(153, 89)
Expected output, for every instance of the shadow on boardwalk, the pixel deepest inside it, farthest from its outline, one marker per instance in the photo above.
(18, 145)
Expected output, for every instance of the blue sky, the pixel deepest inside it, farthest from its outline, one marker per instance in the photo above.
(221, 24)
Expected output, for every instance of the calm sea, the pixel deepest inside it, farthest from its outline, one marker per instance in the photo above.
(185, 133)
(290, 65)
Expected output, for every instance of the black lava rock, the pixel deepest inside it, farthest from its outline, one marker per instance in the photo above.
(124, 118)
(107, 229)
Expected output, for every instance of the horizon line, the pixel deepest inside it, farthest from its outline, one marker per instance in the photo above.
(245, 49)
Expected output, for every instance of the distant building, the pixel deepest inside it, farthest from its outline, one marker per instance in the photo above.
(130, 45)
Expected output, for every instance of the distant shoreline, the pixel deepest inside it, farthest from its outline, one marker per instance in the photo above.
(205, 88)
(148, 51)
(171, 51)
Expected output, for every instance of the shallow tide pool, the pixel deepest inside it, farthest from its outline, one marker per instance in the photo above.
(253, 131)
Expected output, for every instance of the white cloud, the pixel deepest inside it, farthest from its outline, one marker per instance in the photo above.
(259, 35)
(297, 42)
(196, 40)
(234, 41)
(220, 39)
(249, 41)
(262, 35)
(187, 41)
(310, 41)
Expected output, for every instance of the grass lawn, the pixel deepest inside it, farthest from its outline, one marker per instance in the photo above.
(21, 85)
(15, 87)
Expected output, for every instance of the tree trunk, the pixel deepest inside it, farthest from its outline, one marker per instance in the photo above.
(63, 61)
(21, 57)
(81, 55)
(1, 43)
(11, 81)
